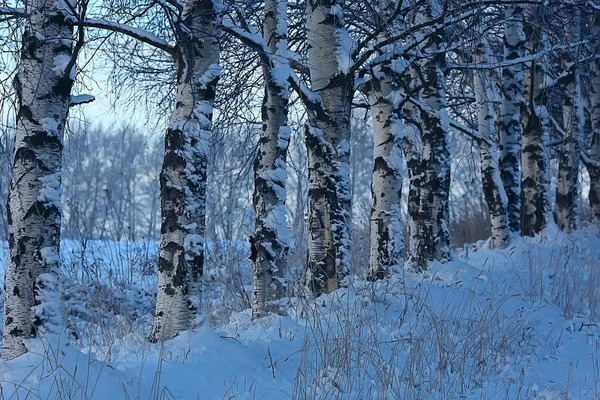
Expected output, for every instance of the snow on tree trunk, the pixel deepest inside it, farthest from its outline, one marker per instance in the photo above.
(183, 175)
(592, 161)
(566, 209)
(328, 145)
(534, 125)
(387, 240)
(412, 149)
(43, 86)
(511, 88)
(493, 189)
(434, 233)
(271, 239)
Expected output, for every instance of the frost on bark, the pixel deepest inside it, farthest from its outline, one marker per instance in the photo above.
(387, 240)
(328, 145)
(511, 88)
(592, 154)
(566, 209)
(433, 231)
(43, 86)
(493, 188)
(271, 239)
(183, 174)
(534, 126)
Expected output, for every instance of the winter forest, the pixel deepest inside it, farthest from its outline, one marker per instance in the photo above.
(303, 199)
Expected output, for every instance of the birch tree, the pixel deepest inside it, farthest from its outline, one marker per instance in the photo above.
(271, 239)
(183, 175)
(387, 240)
(493, 187)
(327, 141)
(511, 88)
(43, 83)
(567, 190)
(534, 125)
(434, 234)
(591, 157)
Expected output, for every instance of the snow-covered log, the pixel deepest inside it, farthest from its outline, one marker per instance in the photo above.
(327, 141)
(534, 126)
(43, 88)
(566, 206)
(183, 175)
(271, 239)
(511, 88)
(493, 188)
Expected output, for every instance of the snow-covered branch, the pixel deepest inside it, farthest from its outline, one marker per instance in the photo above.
(520, 60)
(131, 31)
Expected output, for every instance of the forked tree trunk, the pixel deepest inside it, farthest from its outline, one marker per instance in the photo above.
(534, 125)
(387, 240)
(493, 189)
(43, 87)
(434, 232)
(183, 174)
(271, 239)
(328, 145)
(566, 206)
(511, 89)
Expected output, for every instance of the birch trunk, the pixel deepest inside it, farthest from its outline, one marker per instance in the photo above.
(511, 89)
(43, 87)
(412, 149)
(387, 240)
(566, 209)
(183, 174)
(534, 125)
(493, 189)
(271, 239)
(328, 145)
(593, 153)
(434, 233)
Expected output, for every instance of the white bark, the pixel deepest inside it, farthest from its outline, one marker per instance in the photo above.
(271, 239)
(387, 240)
(43, 87)
(493, 188)
(566, 206)
(412, 149)
(511, 89)
(183, 175)
(327, 139)
(534, 126)
(434, 233)
(593, 148)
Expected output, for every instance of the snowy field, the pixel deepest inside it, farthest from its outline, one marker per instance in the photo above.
(520, 323)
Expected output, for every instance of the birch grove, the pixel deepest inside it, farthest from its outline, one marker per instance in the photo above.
(517, 81)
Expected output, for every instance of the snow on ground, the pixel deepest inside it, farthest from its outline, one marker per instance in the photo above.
(520, 323)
